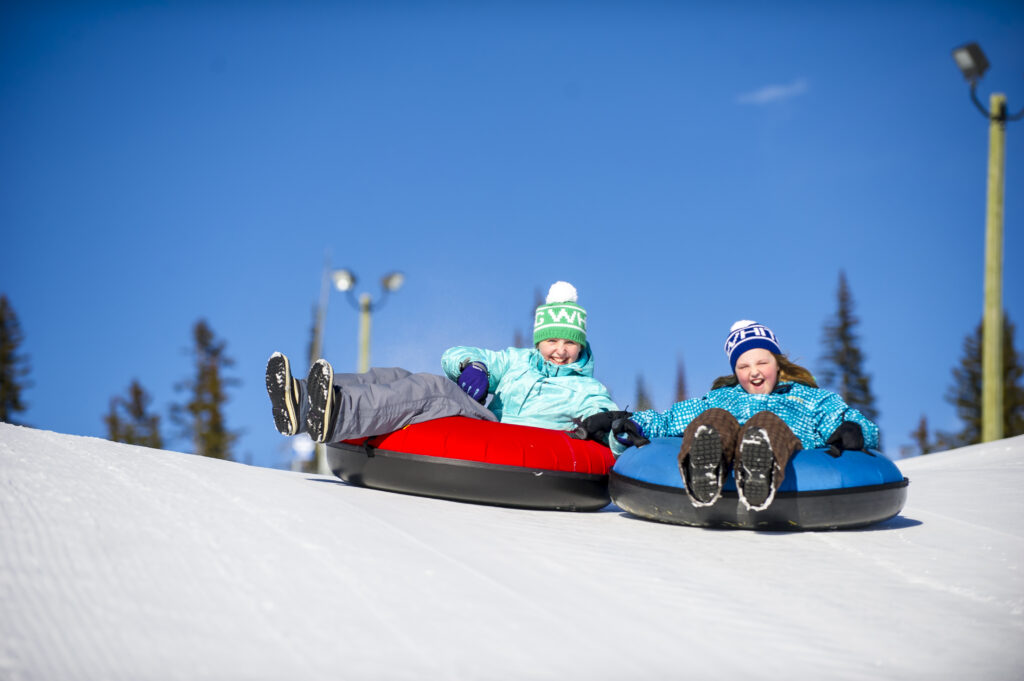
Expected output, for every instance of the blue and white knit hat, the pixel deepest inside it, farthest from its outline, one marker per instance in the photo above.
(747, 335)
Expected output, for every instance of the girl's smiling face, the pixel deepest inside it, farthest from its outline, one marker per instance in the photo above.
(559, 350)
(757, 371)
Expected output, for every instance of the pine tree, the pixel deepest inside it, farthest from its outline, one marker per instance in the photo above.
(129, 420)
(202, 417)
(643, 400)
(844, 361)
(519, 339)
(965, 392)
(680, 380)
(14, 367)
(922, 443)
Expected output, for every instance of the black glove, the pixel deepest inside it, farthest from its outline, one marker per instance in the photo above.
(599, 426)
(627, 432)
(848, 436)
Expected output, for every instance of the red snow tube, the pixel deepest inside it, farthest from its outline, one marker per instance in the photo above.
(482, 462)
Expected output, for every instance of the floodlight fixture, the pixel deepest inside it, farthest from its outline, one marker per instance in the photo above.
(392, 281)
(972, 62)
(344, 280)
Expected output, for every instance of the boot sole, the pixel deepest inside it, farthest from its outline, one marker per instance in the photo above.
(757, 463)
(283, 402)
(704, 464)
(320, 387)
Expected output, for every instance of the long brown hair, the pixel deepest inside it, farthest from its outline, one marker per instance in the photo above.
(788, 371)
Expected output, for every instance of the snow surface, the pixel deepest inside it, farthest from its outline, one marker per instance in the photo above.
(121, 562)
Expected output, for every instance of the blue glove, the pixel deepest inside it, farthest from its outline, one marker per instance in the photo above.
(473, 380)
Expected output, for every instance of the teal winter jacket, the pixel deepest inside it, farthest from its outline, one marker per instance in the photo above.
(812, 414)
(529, 391)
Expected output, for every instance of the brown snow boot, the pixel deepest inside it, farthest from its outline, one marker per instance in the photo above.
(707, 449)
(764, 451)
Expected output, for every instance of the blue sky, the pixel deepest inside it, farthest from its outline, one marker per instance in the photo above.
(684, 166)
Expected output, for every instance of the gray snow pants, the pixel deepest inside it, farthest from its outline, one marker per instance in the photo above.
(387, 399)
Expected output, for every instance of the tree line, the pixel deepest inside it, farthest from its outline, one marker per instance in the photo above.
(199, 418)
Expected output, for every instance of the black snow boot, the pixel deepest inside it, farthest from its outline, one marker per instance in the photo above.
(755, 470)
(284, 394)
(322, 401)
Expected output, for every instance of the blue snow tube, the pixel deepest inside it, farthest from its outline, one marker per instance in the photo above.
(819, 492)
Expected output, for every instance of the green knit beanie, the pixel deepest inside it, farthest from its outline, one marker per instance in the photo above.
(560, 316)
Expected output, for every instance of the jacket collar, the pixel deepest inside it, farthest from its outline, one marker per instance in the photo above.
(584, 366)
(781, 388)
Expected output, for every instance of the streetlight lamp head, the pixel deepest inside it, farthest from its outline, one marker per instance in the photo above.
(972, 61)
(343, 280)
(393, 281)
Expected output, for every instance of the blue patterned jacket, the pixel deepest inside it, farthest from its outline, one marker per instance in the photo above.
(811, 413)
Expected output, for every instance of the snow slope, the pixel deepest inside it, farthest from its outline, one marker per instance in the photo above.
(120, 562)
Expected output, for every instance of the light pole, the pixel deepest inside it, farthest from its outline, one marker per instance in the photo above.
(345, 280)
(316, 350)
(973, 64)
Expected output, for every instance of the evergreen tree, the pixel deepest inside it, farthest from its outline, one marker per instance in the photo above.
(680, 380)
(844, 362)
(965, 392)
(521, 340)
(202, 417)
(14, 367)
(922, 443)
(643, 400)
(129, 420)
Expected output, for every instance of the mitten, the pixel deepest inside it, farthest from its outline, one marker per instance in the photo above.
(598, 426)
(627, 432)
(473, 380)
(848, 436)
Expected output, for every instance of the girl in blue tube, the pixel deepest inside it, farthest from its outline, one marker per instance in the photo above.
(753, 419)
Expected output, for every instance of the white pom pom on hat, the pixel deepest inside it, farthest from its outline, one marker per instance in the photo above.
(741, 323)
(561, 292)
